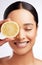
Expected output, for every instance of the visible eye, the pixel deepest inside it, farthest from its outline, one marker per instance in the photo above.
(28, 29)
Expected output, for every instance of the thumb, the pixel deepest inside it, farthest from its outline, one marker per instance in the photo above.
(2, 42)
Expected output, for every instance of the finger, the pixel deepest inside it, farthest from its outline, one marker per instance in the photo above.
(2, 42)
(3, 21)
(10, 39)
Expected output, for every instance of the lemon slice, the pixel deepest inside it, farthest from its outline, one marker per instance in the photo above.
(10, 29)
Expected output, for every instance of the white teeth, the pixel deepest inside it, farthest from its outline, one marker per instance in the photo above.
(20, 45)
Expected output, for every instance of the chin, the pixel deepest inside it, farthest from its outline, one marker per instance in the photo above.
(22, 52)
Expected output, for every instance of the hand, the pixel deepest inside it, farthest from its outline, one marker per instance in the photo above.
(3, 21)
(2, 41)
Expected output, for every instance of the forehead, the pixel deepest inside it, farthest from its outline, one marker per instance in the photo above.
(21, 16)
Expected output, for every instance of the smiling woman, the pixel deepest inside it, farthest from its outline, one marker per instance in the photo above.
(26, 16)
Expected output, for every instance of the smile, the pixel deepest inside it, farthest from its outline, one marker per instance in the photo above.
(21, 44)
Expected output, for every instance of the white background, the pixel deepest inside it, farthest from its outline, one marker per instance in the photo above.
(6, 50)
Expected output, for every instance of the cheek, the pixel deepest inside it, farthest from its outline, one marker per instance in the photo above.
(31, 35)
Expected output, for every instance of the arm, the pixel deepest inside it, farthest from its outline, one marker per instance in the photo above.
(0, 61)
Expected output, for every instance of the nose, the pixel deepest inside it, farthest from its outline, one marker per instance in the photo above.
(21, 34)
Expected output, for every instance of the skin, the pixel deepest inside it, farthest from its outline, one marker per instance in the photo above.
(27, 32)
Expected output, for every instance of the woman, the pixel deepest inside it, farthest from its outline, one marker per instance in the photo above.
(26, 16)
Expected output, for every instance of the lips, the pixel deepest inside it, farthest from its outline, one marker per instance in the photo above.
(21, 44)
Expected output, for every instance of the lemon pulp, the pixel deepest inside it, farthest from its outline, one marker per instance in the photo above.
(10, 29)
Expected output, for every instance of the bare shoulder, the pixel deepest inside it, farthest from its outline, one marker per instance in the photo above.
(38, 62)
(2, 60)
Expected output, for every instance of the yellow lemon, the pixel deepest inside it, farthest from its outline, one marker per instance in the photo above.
(10, 29)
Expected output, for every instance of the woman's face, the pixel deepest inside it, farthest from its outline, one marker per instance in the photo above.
(24, 41)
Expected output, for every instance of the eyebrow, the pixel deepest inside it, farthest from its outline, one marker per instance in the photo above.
(26, 24)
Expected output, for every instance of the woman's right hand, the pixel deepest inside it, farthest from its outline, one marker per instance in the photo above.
(2, 41)
(3, 21)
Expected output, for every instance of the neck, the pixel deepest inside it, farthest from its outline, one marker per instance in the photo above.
(23, 59)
